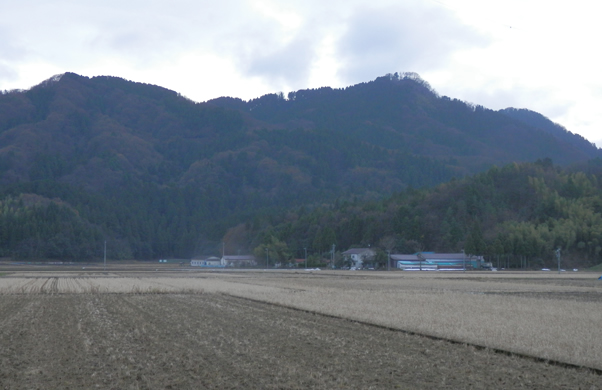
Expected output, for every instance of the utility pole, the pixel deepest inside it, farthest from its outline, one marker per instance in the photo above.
(267, 258)
(388, 260)
(558, 257)
(463, 261)
(105, 257)
(333, 246)
(305, 249)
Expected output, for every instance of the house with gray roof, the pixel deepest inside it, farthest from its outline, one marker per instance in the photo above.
(358, 256)
(239, 261)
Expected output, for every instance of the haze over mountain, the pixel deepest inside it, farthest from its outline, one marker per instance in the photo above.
(160, 175)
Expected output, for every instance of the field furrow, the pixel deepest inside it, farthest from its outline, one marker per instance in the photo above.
(297, 330)
(191, 341)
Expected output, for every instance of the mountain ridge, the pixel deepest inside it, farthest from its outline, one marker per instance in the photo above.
(410, 101)
(160, 175)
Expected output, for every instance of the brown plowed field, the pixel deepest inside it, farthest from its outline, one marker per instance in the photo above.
(158, 327)
(215, 341)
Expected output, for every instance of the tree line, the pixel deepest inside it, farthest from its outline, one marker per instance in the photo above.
(517, 216)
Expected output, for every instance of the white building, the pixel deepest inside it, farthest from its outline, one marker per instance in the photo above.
(206, 262)
(357, 256)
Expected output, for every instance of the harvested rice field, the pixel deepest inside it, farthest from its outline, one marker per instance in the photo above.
(161, 328)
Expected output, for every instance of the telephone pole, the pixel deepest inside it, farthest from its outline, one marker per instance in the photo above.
(267, 258)
(333, 246)
(305, 249)
(388, 260)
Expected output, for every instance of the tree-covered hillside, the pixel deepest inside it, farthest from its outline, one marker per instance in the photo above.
(402, 112)
(539, 121)
(517, 216)
(159, 175)
(84, 160)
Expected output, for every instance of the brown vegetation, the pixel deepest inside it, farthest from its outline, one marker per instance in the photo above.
(159, 329)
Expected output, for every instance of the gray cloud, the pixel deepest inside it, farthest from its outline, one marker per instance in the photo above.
(143, 32)
(159, 31)
(7, 73)
(288, 64)
(264, 47)
(400, 38)
(9, 50)
(10, 53)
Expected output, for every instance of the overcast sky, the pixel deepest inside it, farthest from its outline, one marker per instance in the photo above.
(533, 54)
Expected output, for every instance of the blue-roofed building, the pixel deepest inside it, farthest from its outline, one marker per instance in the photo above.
(426, 261)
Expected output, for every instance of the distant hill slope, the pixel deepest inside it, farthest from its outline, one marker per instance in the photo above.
(539, 121)
(106, 131)
(161, 175)
(517, 215)
(404, 113)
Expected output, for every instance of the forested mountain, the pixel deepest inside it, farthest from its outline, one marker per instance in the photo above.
(516, 215)
(83, 160)
(539, 121)
(403, 113)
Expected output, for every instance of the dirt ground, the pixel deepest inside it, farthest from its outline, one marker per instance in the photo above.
(214, 341)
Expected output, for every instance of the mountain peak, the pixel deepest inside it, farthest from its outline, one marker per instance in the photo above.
(53, 80)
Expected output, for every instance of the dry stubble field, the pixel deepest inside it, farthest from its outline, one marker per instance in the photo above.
(134, 328)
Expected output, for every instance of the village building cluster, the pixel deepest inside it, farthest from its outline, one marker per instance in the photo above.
(361, 258)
